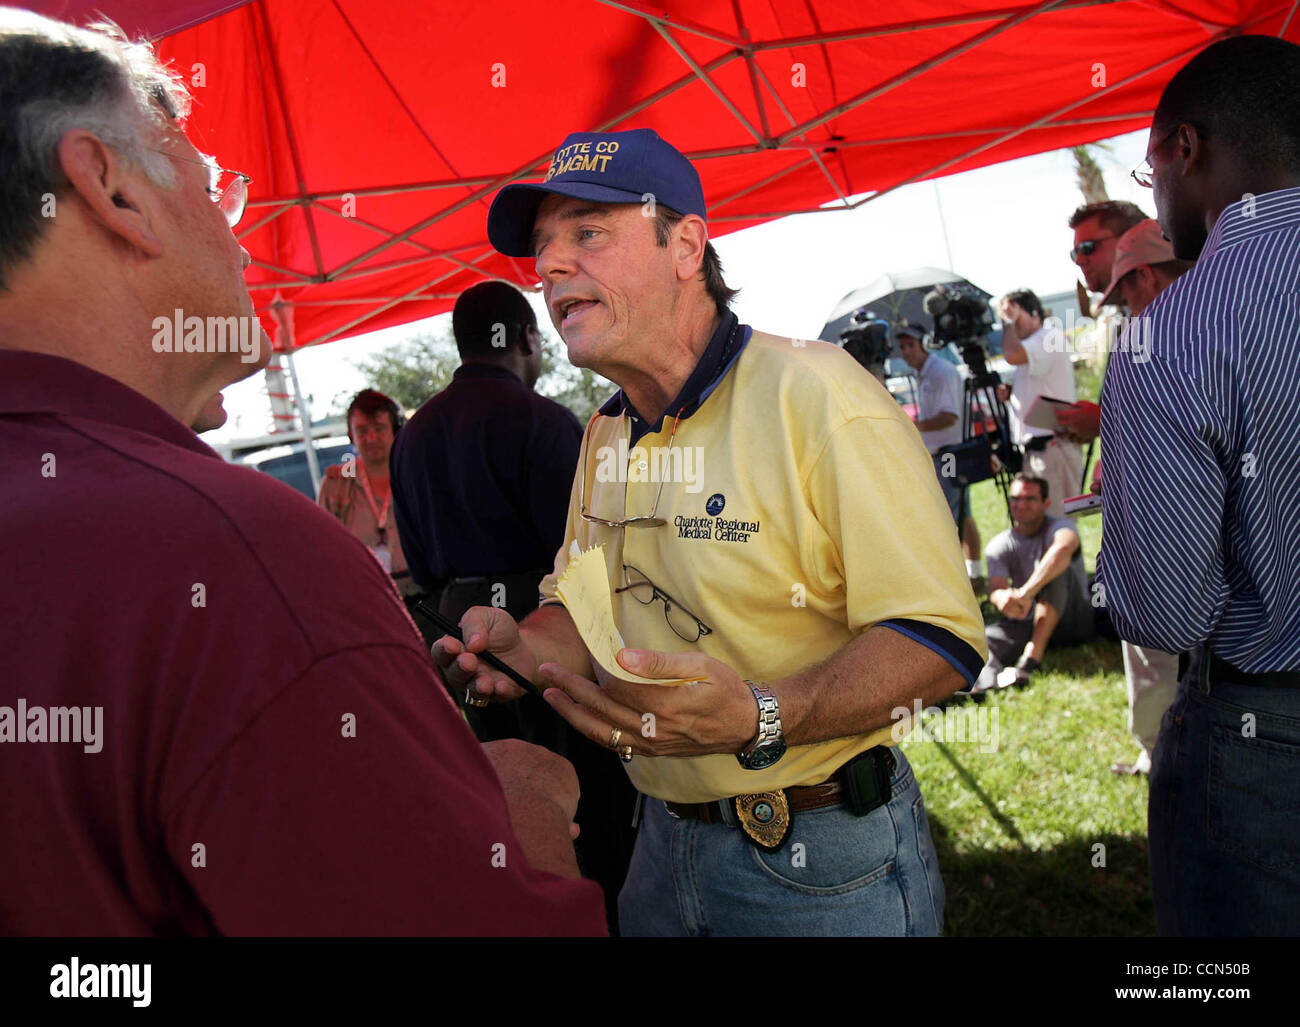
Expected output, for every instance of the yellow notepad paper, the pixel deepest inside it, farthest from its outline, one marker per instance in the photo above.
(583, 588)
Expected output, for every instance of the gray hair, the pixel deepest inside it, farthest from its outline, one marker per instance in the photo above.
(55, 78)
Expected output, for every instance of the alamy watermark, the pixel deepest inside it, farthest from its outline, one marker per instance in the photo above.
(1123, 334)
(74, 979)
(679, 464)
(975, 725)
(79, 724)
(181, 334)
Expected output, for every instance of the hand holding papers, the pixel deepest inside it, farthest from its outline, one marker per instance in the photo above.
(708, 710)
(1042, 413)
(584, 590)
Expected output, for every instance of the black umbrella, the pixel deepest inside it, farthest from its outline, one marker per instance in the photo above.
(896, 297)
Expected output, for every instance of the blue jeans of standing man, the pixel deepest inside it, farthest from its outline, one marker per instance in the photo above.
(953, 491)
(1224, 815)
(836, 874)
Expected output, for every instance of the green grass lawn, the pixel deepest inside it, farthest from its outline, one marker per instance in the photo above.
(1017, 824)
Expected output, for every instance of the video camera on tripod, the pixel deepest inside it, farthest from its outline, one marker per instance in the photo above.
(867, 340)
(962, 316)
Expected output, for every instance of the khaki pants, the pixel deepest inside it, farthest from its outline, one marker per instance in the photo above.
(1152, 678)
(1061, 466)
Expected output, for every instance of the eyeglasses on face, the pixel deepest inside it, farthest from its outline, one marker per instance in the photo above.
(685, 624)
(232, 197)
(1144, 173)
(1088, 247)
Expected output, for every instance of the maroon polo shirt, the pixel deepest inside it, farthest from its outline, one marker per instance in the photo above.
(276, 754)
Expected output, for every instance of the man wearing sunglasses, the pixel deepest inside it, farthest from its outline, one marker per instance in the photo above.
(1202, 492)
(272, 752)
(1097, 227)
(773, 532)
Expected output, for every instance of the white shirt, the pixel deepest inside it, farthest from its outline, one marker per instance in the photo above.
(1048, 372)
(939, 390)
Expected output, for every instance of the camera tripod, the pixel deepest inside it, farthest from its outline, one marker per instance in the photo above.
(980, 392)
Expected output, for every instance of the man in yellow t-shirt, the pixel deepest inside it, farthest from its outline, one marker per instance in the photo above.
(773, 532)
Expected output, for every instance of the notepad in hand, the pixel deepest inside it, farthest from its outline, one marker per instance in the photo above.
(1042, 412)
(583, 588)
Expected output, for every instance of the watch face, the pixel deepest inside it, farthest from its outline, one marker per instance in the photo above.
(764, 756)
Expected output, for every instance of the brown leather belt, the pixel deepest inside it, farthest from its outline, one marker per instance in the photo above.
(804, 797)
(800, 797)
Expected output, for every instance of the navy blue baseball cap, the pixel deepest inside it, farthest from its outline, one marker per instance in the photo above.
(606, 167)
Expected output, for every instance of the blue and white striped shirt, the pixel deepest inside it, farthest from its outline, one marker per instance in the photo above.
(1200, 431)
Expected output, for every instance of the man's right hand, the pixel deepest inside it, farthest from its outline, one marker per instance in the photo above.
(492, 629)
(1004, 393)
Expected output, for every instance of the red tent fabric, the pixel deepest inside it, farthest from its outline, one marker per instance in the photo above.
(376, 133)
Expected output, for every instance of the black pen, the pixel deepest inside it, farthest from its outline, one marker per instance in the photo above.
(492, 661)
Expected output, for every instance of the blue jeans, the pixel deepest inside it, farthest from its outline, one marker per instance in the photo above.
(1224, 815)
(837, 874)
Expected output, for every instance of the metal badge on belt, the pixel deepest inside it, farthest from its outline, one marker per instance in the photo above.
(765, 818)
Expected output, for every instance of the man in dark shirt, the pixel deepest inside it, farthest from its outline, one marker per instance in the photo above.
(481, 472)
(481, 477)
(209, 724)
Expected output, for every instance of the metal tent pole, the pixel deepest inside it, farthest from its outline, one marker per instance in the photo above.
(304, 415)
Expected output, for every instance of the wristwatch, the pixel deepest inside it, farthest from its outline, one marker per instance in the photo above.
(769, 745)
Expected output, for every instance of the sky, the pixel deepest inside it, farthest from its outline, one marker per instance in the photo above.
(1005, 229)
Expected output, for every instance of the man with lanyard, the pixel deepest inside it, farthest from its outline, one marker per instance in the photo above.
(358, 492)
(1202, 492)
(772, 533)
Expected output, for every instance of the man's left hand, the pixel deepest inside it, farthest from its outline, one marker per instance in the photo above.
(1018, 604)
(716, 713)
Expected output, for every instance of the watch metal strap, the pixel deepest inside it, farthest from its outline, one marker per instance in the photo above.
(769, 714)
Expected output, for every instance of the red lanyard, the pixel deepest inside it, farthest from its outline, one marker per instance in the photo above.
(381, 516)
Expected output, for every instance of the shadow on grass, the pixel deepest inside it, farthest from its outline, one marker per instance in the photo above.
(1084, 887)
(1015, 861)
(1056, 892)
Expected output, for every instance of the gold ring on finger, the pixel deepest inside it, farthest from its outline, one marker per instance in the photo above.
(476, 701)
(614, 736)
(625, 754)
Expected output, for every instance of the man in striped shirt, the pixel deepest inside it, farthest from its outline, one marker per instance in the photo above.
(1202, 493)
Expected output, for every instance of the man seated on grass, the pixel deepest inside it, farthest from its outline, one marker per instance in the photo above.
(1038, 584)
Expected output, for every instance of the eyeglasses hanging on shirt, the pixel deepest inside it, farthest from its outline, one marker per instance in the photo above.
(653, 520)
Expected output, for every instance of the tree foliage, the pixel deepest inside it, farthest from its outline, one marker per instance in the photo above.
(412, 370)
(419, 367)
(1088, 172)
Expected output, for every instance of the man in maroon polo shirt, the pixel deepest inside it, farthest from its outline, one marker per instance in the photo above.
(215, 716)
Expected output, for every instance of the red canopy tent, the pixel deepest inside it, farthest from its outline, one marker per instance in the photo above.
(377, 133)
